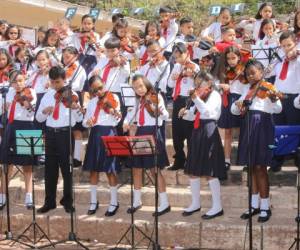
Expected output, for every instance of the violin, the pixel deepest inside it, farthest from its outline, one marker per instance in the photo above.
(156, 60)
(268, 90)
(150, 100)
(201, 92)
(125, 45)
(25, 96)
(106, 101)
(90, 38)
(118, 61)
(236, 73)
(68, 99)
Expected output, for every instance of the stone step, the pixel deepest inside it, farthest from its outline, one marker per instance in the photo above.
(287, 177)
(232, 196)
(226, 232)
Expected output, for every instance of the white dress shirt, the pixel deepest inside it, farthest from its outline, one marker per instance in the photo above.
(259, 104)
(116, 76)
(172, 31)
(21, 113)
(134, 113)
(187, 83)
(48, 100)
(153, 74)
(41, 82)
(79, 79)
(214, 31)
(291, 85)
(87, 49)
(104, 119)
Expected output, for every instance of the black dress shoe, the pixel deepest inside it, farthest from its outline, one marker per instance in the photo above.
(46, 208)
(29, 206)
(246, 215)
(76, 163)
(176, 167)
(93, 211)
(69, 209)
(275, 169)
(208, 217)
(2, 206)
(132, 210)
(112, 213)
(264, 218)
(166, 210)
(188, 213)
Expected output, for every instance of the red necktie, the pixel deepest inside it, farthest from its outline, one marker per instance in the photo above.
(35, 79)
(106, 72)
(165, 33)
(83, 41)
(191, 51)
(56, 109)
(142, 113)
(284, 70)
(177, 87)
(225, 98)
(12, 112)
(11, 50)
(144, 58)
(197, 120)
(97, 112)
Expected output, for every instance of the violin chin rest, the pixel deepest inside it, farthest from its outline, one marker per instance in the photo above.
(205, 45)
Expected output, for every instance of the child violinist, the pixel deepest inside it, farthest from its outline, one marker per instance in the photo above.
(233, 87)
(103, 115)
(213, 31)
(182, 80)
(20, 109)
(228, 39)
(55, 111)
(267, 35)
(144, 113)
(12, 40)
(287, 78)
(75, 77)
(6, 65)
(169, 28)
(262, 104)
(152, 32)
(205, 151)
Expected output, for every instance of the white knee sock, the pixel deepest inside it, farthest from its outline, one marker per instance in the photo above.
(93, 189)
(2, 198)
(264, 205)
(77, 149)
(28, 198)
(113, 198)
(137, 197)
(215, 188)
(255, 200)
(163, 201)
(195, 191)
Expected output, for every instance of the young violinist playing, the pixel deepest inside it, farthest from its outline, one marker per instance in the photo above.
(152, 32)
(186, 36)
(213, 31)
(205, 151)
(20, 114)
(169, 29)
(233, 87)
(12, 40)
(263, 102)
(144, 113)
(267, 35)
(6, 66)
(182, 81)
(102, 116)
(287, 82)
(76, 77)
(228, 39)
(54, 110)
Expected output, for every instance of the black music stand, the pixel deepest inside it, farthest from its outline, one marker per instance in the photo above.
(130, 146)
(269, 54)
(287, 141)
(29, 142)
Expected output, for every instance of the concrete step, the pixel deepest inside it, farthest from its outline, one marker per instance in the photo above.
(232, 196)
(226, 232)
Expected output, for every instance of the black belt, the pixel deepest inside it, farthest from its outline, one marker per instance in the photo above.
(57, 130)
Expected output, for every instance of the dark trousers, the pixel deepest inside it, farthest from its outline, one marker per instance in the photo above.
(181, 131)
(288, 116)
(57, 156)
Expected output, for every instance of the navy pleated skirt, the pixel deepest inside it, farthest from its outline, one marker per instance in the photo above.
(261, 137)
(148, 161)
(205, 152)
(227, 119)
(8, 154)
(96, 158)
